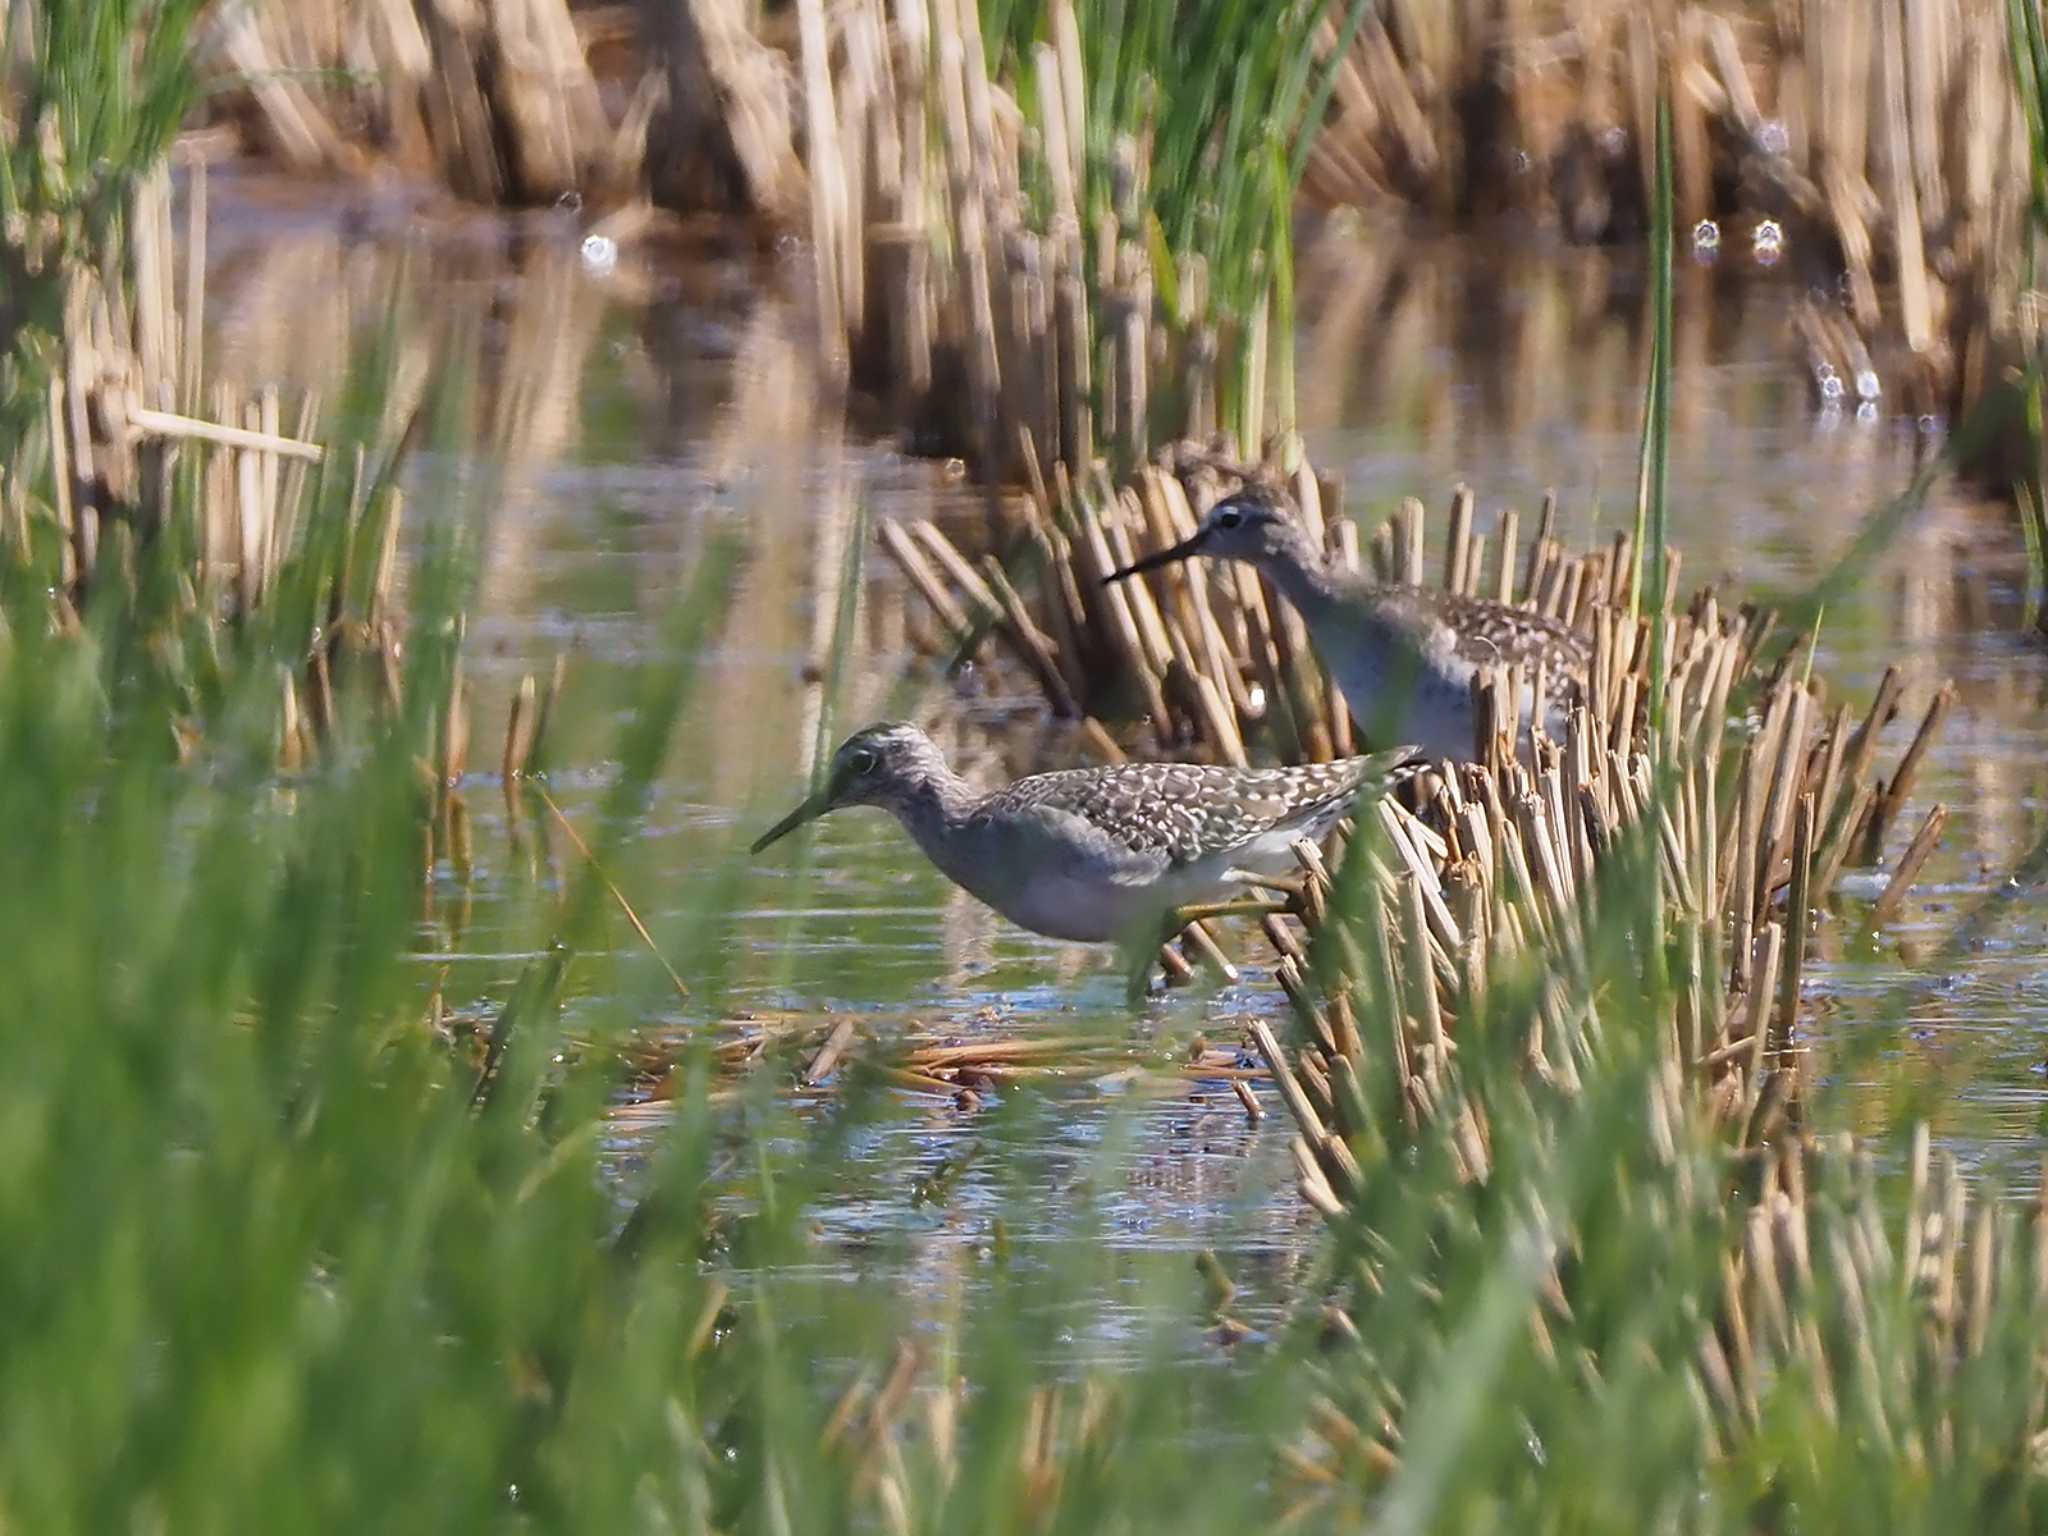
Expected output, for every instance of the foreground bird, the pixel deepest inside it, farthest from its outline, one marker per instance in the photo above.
(1403, 657)
(1095, 854)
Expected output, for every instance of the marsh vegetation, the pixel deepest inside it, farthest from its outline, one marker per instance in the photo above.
(419, 1110)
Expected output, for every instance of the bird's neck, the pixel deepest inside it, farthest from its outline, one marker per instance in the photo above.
(1304, 580)
(934, 807)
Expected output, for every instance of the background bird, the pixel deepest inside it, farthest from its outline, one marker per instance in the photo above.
(1403, 657)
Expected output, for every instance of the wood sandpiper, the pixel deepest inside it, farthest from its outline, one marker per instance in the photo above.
(1096, 854)
(1404, 657)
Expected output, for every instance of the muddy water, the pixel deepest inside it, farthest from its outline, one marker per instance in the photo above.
(637, 412)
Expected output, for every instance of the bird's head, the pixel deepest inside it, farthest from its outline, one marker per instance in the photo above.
(883, 765)
(1253, 524)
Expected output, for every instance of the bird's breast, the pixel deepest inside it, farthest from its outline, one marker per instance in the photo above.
(1054, 874)
(1405, 693)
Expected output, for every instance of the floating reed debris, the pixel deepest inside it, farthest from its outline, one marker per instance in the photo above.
(815, 1052)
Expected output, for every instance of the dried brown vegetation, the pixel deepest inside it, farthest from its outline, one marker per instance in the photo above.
(150, 467)
(1878, 151)
(499, 103)
(1878, 144)
(1508, 885)
(1218, 666)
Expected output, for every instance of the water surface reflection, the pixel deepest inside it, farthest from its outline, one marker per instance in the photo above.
(628, 418)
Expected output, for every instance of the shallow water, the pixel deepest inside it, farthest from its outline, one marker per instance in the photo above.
(1522, 373)
(634, 414)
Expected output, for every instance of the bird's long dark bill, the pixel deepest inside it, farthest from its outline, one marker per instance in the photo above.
(810, 810)
(1180, 551)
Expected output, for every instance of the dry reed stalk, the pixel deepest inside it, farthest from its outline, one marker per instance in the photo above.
(1515, 850)
(1408, 538)
(1879, 116)
(1909, 865)
(1508, 531)
(1458, 551)
(833, 244)
(259, 439)
(498, 101)
(1797, 908)
(1887, 143)
(910, 559)
(1537, 832)
(519, 732)
(1894, 797)
(828, 1057)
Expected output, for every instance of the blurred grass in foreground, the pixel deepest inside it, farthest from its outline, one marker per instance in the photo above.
(278, 1257)
(284, 1259)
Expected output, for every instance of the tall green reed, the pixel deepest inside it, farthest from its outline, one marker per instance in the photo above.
(279, 1258)
(1198, 123)
(2029, 51)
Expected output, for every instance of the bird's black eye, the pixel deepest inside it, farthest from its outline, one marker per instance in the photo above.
(1229, 517)
(863, 761)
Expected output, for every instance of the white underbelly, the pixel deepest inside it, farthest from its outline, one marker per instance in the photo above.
(1091, 895)
(1104, 911)
(1087, 911)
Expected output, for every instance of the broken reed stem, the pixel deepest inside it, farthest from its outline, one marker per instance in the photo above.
(1518, 844)
(166, 424)
(617, 895)
(1901, 784)
(1797, 905)
(519, 732)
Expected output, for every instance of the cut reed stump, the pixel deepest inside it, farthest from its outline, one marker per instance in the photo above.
(1456, 981)
(1509, 856)
(135, 459)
